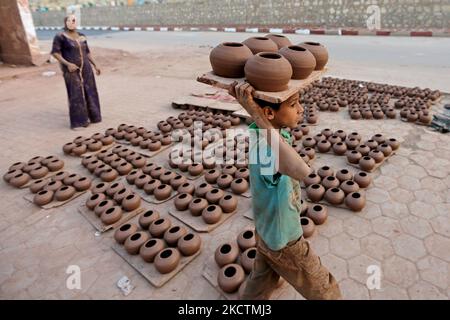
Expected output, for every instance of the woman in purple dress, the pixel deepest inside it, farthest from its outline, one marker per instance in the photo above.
(70, 48)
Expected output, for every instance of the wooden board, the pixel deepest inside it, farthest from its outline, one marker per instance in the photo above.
(276, 97)
(30, 196)
(93, 219)
(148, 270)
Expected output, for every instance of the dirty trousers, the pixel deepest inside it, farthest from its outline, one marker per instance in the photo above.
(298, 265)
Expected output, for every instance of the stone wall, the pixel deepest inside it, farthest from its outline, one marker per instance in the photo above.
(400, 14)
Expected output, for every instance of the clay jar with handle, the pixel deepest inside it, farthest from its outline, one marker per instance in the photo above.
(125, 230)
(317, 213)
(167, 260)
(308, 226)
(151, 248)
(301, 60)
(355, 201)
(230, 278)
(134, 242)
(189, 244)
(146, 219)
(268, 71)
(280, 40)
(319, 52)
(260, 44)
(248, 259)
(228, 59)
(226, 253)
(159, 227)
(172, 235)
(246, 239)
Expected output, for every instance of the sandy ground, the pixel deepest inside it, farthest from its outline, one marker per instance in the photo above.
(405, 228)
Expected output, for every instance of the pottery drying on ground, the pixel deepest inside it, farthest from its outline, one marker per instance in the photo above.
(315, 192)
(246, 239)
(159, 227)
(146, 219)
(126, 230)
(239, 186)
(134, 242)
(212, 214)
(151, 248)
(111, 215)
(189, 244)
(228, 203)
(330, 182)
(317, 213)
(334, 196)
(100, 187)
(172, 235)
(247, 259)
(64, 193)
(43, 197)
(167, 260)
(163, 192)
(355, 201)
(228, 59)
(230, 278)
(226, 253)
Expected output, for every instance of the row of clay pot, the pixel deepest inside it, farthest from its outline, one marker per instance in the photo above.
(412, 115)
(377, 114)
(158, 241)
(107, 169)
(235, 259)
(140, 136)
(336, 196)
(61, 187)
(81, 145)
(310, 216)
(209, 119)
(229, 177)
(157, 181)
(342, 176)
(20, 173)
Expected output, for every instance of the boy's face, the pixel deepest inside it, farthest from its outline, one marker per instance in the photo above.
(288, 115)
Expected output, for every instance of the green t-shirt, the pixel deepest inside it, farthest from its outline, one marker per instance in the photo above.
(276, 197)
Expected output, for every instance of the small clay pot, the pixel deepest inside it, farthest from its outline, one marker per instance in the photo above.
(354, 156)
(124, 169)
(186, 188)
(37, 185)
(349, 186)
(351, 143)
(189, 244)
(134, 242)
(133, 175)
(146, 219)
(53, 186)
(167, 260)
(343, 175)
(393, 143)
(228, 203)
(177, 181)
(315, 192)
(340, 133)
(151, 248)
(363, 179)
(212, 175)
(195, 169)
(109, 175)
(385, 148)
(239, 186)
(82, 184)
(139, 162)
(43, 197)
(203, 189)
(131, 202)
(247, 259)
(334, 139)
(260, 44)
(36, 159)
(231, 170)
(157, 172)
(319, 52)
(162, 192)
(376, 155)
(317, 213)
(367, 163)
(86, 160)
(325, 171)
(340, 148)
(159, 227)
(31, 166)
(111, 215)
(95, 146)
(79, 149)
(68, 147)
(309, 142)
(214, 195)
(243, 173)
(39, 172)
(140, 181)
(60, 176)
(197, 206)
(372, 144)
(17, 166)
(330, 182)
(323, 146)
(100, 187)
(312, 179)
(48, 159)
(64, 193)
(172, 235)
(120, 195)
(107, 140)
(224, 181)
(212, 214)
(100, 169)
(308, 226)
(363, 149)
(356, 201)
(226, 253)
(167, 176)
(379, 138)
(94, 200)
(334, 196)
(182, 201)
(230, 278)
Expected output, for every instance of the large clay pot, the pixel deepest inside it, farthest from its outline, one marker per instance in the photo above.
(134, 242)
(260, 44)
(43, 197)
(228, 59)
(268, 72)
(246, 239)
(355, 201)
(325, 171)
(146, 219)
(319, 52)
(167, 260)
(280, 40)
(125, 230)
(163, 192)
(317, 213)
(308, 226)
(212, 214)
(330, 182)
(343, 175)
(64, 193)
(214, 195)
(302, 61)
(228, 203)
(151, 248)
(189, 244)
(226, 253)
(315, 192)
(248, 259)
(159, 227)
(334, 196)
(230, 278)
(111, 215)
(367, 163)
(363, 179)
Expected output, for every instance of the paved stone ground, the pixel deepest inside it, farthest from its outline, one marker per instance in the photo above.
(404, 229)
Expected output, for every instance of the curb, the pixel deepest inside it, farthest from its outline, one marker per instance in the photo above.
(339, 31)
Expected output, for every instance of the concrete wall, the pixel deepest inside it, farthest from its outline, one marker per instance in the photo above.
(400, 14)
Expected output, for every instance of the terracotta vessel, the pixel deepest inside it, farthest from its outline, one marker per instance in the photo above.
(203, 189)
(212, 175)
(379, 138)
(212, 214)
(189, 244)
(363, 179)
(186, 188)
(133, 175)
(167, 176)
(197, 206)
(82, 184)
(323, 146)
(167, 260)
(385, 148)
(159, 227)
(157, 172)
(224, 181)
(120, 195)
(312, 179)
(172, 235)
(177, 181)
(367, 163)
(319, 52)
(248, 259)
(163, 192)
(231, 170)
(64, 193)
(79, 150)
(111, 215)
(330, 182)
(317, 213)
(246, 239)
(37, 185)
(226, 253)
(182, 201)
(39, 172)
(146, 219)
(343, 175)
(334, 196)
(354, 156)
(355, 201)
(372, 144)
(340, 148)
(125, 230)
(363, 149)
(131, 202)
(268, 72)
(151, 186)
(140, 181)
(325, 171)
(280, 40)
(151, 248)
(315, 192)
(228, 203)
(349, 186)
(351, 143)
(376, 155)
(134, 242)
(53, 186)
(68, 147)
(393, 143)
(308, 226)
(100, 187)
(230, 278)
(43, 197)
(260, 44)
(109, 175)
(302, 61)
(228, 59)
(195, 169)
(214, 195)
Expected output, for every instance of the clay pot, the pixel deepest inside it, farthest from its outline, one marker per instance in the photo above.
(260, 44)
(330, 182)
(379, 138)
(334, 196)
(349, 186)
(323, 146)
(163, 192)
(239, 186)
(308, 226)
(154, 145)
(100, 188)
(124, 168)
(17, 166)
(39, 172)
(352, 143)
(343, 175)
(157, 172)
(231, 170)
(203, 189)
(334, 139)
(214, 195)
(341, 134)
(131, 202)
(167, 176)
(372, 144)
(94, 200)
(139, 162)
(312, 179)
(319, 52)
(243, 173)
(186, 188)
(110, 158)
(64, 193)
(212, 175)
(228, 203)
(37, 186)
(43, 197)
(226, 253)
(177, 181)
(224, 181)
(12, 173)
(339, 148)
(95, 146)
(100, 169)
(230, 278)
(197, 206)
(48, 159)
(120, 195)
(268, 72)
(376, 155)
(355, 114)
(367, 163)
(280, 40)
(79, 149)
(82, 184)
(53, 186)
(159, 227)
(111, 215)
(315, 192)
(212, 214)
(325, 171)
(109, 175)
(134, 242)
(189, 244)
(182, 201)
(355, 201)
(68, 147)
(167, 260)
(425, 118)
(363, 179)
(302, 61)
(228, 59)
(133, 175)
(31, 166)
(393, 143)
(317, 213)
(195, 169)
(246, 239)
(142, 180)
(363, 149)
(172, 235)
(146, 219)
(354, 156)
(248, 259)
(151, 248)
(385, 148)
(107, 140)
